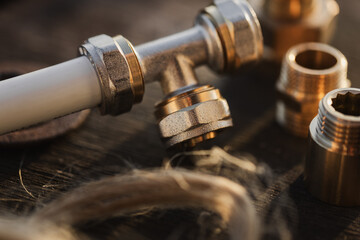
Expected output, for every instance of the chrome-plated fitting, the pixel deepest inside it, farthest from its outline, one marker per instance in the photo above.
(286, 23)
(192, 116)
(118, 70)
(226, 35)
(238, 29)
(309, 71)
(332, 167)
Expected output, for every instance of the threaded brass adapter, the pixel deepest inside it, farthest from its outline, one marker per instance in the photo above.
(309, 71)
(332, 167)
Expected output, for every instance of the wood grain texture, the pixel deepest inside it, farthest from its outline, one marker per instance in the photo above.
(50, 31)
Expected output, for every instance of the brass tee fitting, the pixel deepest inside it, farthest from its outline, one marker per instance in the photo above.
(332, 168)
(226, 35)
(309, 71)
(286, 23)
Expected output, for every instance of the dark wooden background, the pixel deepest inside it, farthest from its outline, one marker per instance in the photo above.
(48, 32)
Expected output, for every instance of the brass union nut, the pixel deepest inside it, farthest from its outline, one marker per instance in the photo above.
(309, 71)
(287, 23)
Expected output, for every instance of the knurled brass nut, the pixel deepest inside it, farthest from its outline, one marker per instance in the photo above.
(119, 72)
(195, 115)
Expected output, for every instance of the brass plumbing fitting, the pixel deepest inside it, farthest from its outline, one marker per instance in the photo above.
(332, 168)
(309, 71)
(226, 35)
(286, 23)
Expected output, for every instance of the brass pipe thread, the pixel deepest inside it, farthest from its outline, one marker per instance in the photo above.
(309, 71)
(343, 132)
(332, 169)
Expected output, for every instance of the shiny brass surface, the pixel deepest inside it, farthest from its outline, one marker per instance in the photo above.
(192, 116)
(309, 71)
(186, 99)
(289, 10)
(286, 23)
(136, 77)
(332, 167)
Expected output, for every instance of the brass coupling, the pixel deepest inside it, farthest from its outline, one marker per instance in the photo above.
(332, 167)
(309, 71)
(225, 36)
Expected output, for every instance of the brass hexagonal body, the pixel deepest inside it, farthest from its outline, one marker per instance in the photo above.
(287, 23)
(309, 71)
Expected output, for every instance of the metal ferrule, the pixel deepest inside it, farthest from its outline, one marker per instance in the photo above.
(332, 169)
(309, 71)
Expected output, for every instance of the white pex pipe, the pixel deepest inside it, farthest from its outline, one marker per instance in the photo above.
(48, 93)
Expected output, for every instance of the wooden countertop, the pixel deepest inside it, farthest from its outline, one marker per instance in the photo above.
(48, 32)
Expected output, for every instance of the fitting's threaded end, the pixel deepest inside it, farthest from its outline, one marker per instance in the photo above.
(332, 170)
(338, 122)
(308, 72)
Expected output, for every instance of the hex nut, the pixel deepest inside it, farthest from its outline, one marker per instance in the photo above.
(281, 33)
(119, 72)
(198, 114)
(239, 31)
(192, 116)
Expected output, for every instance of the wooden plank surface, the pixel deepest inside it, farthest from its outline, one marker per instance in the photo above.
(48, 32)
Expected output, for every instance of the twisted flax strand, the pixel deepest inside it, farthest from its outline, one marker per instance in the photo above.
(113, 196)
